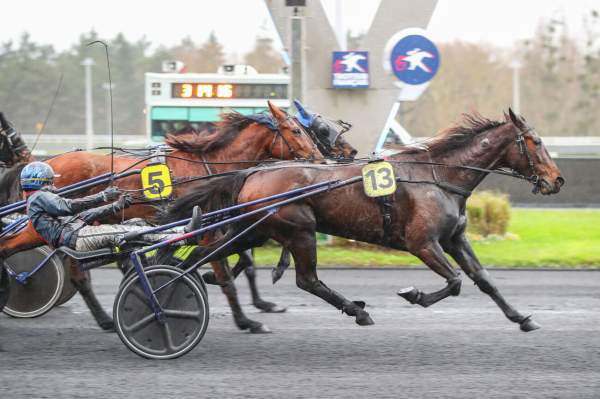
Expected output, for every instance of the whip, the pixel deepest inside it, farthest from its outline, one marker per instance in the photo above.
(112, 133)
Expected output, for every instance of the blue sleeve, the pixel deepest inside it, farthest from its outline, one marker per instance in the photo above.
(53, 204)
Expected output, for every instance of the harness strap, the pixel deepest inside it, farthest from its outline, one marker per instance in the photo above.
(454, 189)
(206, 165)
(386, 205)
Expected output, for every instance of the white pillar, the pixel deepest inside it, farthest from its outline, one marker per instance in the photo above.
(89, 111)
(106, 86)
(297, 47)
(340, 29)
(516, 101)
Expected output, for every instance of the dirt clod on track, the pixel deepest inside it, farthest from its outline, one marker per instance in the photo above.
(462, 347)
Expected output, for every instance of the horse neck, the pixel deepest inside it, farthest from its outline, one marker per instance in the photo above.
(476, 155)
(249, 146)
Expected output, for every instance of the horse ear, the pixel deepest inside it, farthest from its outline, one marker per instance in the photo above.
(506, 117)
(514, 118)
(275, 111)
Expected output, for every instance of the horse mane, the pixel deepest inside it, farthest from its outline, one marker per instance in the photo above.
(457, 136)
(190, 140)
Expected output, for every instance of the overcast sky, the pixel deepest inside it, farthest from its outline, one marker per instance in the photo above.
(237, 22)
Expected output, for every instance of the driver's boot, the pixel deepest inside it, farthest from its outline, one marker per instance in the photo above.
(194, 224)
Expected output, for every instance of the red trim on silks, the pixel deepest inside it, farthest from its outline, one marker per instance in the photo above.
(38, 234)
(28, 194)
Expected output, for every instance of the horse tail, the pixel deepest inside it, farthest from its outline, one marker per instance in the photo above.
(211, 195)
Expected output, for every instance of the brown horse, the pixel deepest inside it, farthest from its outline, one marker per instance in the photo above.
(237, 138)
(427, 209)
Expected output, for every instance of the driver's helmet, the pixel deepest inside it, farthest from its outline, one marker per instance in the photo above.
(36, 175)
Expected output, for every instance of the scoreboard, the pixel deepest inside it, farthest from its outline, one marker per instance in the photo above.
(228, 90)
(177, 100)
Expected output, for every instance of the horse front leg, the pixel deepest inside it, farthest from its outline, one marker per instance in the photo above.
(223, 277)
(464, 255)
(82, 283)
(246, 262)
(431, 253)
(285, 259)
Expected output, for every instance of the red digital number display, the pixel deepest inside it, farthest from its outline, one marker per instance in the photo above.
(228, 90)
(203, 90)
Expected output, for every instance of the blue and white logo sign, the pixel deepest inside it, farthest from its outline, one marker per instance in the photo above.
(350, 69)
(413, 58)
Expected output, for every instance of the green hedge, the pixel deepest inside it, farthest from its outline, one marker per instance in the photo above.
(488, 213)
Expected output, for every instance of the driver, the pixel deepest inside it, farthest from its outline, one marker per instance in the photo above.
(67, 222)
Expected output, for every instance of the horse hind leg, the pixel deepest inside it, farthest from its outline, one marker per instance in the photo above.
(433, 256)
(246, 262)
(223, 277)
(282, 265)
(84, 287)
(304, 251)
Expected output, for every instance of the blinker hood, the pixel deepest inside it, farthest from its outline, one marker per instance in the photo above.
(304, 116)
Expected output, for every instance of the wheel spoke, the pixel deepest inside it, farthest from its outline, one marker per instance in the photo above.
(135, 327)
(167, 338)
(182, 314)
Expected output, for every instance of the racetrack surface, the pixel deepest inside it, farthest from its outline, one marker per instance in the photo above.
(462, 347)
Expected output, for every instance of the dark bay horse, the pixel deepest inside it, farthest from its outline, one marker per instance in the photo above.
(237, 138)
(428, 215)
(14, 154)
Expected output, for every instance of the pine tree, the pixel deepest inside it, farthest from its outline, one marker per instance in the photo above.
(263, 57)
(211, 55)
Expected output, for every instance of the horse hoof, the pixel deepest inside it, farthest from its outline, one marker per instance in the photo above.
(269, 307)
(108, 326)
(411, 294)
(276, 274)
(529, 325)
(363, 319)
(260, 329)
(360, 304)
(209, 278)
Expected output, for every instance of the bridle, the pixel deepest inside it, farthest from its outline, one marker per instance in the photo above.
(279, 134)
(534, 178)
(18, 152)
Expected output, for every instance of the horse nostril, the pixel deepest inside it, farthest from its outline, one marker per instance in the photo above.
(560, 181)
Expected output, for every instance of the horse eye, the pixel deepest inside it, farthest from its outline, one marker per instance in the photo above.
(297, 131)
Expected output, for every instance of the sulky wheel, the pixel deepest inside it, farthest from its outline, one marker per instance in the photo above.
(185, 306)
(41, 291)
(4, 286)
(69, 290)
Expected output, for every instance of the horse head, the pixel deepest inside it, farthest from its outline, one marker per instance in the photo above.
(12, 147)
(327, 136)
(530, 157)
(290, 141)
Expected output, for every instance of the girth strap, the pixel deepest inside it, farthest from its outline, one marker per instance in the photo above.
(386, 204)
